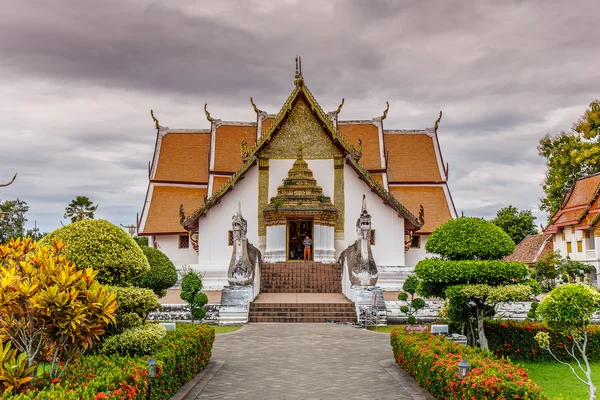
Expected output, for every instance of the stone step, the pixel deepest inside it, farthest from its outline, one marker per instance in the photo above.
(315, 319)
(330, 315)
(302, 309)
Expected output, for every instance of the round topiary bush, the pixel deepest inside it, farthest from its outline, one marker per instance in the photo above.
(103, 246)
(162, 275)
(469, 239)
(137, 341)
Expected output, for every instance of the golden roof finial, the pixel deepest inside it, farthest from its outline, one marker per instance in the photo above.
(154, 119)
(208, 117)
(387, 108)
(340, 107)
(437, 122)
(299, 151)
(256, 109)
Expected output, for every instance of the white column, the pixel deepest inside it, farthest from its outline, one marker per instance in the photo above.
(275, 250)
(317, 243)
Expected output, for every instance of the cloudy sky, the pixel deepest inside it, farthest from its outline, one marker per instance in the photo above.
(78, 78)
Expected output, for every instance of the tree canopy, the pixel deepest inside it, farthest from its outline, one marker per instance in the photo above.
(570, 156)
(517, 224)
(80, 208)
(12, 219)
(469, 239)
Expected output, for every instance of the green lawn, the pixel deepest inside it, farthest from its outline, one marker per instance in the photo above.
(224, 329)
(556, 379)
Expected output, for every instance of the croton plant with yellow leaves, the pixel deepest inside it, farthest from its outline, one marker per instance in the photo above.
(50, 311)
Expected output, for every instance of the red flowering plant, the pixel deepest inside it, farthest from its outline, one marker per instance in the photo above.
(433, 362)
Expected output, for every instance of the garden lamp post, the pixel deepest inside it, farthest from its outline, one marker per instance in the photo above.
(131, 228)
(151, 375)
(463, 368)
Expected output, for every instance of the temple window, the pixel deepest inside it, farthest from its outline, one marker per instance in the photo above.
(591, 245)
(184, 242)
(579, 246)
(562, 235)
(416, 242)
(569, 247)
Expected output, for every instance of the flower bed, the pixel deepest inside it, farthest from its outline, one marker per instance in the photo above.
(180, 355)
(515, 339)
(433, 362)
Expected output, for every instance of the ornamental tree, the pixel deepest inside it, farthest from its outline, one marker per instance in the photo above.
(569, 309)
(49, 308)
(103, 246)
(516, 223)
(191, 292)
(413, 306)
(469, 274)
(162, 274)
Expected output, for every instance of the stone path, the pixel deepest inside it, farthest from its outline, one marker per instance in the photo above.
(302, 361)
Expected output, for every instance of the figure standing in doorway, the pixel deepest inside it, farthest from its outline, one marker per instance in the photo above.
(307, 245)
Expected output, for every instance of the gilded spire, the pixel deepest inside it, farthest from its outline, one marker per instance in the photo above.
(437, 122)
(387, 108)
(208, 117)
(299, 151)
(154, 119)
(298, 76)
(256, 109)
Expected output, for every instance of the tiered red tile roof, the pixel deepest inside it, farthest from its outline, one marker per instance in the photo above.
(406, 165)
(531, 249)
(581, 206)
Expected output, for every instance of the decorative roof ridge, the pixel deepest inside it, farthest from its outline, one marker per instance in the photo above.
(237, 123)
(209, 202)
(356, 121)
(424, 131)
(187, 131)
(385, 195)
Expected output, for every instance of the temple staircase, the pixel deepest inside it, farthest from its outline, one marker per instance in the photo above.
(301, 292)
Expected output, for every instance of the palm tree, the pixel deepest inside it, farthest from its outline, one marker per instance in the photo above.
(80, 208)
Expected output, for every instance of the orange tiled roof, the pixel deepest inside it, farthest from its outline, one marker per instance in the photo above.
(570, 217)
(378, 178)
(411, 158)
(583, 192)
(183, 158)
(531, 249)
(433, 200)
(228, 140)
(371, 156)
(163, 215)
(218, 181)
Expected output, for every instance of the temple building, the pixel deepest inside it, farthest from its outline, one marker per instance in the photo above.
(297, 173)
(575, 227)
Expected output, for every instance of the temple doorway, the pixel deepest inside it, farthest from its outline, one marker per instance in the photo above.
(297, 230)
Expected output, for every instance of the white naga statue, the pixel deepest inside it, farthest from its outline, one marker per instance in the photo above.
(245, 258)
(358, 257)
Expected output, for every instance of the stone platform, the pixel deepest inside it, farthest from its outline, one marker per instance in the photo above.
(302, 307)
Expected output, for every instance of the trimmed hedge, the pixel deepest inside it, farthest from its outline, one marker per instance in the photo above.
(433, 362)
(181, 354)
(137, 341)
(103, 246)
(135, 300)
(515, 339)
(162, 275)
(469, 239)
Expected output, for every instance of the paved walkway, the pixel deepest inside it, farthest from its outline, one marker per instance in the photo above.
(303, 361)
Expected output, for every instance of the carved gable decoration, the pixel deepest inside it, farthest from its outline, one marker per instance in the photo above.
(300, 126)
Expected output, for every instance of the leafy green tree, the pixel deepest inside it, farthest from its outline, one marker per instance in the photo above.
(470, 274)
(191, 292)
(517, 224)
(12, 219)
(546, 270)
(569, 309)
(141, 240)
(162, 275)
(80, 208)
(570, 156)
(412, 307)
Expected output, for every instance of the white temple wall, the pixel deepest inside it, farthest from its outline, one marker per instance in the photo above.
(389, 228)
(214, 253)
(322, 172)
(169, 244)
(414, 255)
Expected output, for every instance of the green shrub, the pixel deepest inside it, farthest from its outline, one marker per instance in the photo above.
(103, 246)
(516, 339)
(135, 300)
(129, 320)
(439, 274)
(433, 362)
(137, 341)
(141, 240)
(191, 286)
(162, 275)
(469, 239)
(180, 355)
